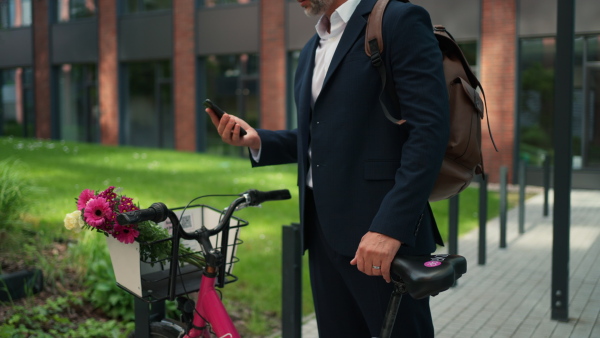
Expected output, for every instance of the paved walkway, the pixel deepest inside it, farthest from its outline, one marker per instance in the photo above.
(510, 295)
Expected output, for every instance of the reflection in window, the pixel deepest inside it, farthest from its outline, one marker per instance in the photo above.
(593, 48)
(78, 103)
(15, 13)
(536, 102)
(232, 83)
(149, 104)
(16, 98)
(213, 3)
(68, 10)
(135, 6)
(536, 98)
(589, 86)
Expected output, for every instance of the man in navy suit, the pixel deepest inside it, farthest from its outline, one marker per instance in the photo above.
(364, 182)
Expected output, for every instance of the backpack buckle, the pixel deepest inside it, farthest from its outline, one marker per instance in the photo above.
(375, 55)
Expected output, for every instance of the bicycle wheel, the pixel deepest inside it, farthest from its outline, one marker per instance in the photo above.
(166, 329)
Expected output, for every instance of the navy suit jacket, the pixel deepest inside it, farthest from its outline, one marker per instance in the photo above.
(370, 174)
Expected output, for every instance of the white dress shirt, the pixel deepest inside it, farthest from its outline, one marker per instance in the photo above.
(330, 32)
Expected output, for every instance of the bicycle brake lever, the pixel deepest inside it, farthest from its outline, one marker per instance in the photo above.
(246, 205)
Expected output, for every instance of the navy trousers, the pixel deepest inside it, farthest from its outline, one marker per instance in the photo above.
(349, 303)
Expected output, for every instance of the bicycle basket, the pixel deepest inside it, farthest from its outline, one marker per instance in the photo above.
(149, 280)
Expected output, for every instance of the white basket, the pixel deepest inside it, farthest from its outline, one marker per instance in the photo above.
(150, 280)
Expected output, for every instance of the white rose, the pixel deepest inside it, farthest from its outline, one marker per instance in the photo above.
(73, 221)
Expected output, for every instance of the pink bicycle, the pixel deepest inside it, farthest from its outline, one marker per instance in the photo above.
(419, 276)
(207, 316)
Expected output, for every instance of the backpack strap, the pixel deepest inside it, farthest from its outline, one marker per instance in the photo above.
(374, 49)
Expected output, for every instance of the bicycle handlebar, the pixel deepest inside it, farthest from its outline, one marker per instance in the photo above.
(256, 197)
(158, 212)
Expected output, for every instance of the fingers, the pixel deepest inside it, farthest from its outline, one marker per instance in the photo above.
(213, 117)
(374, 255)
(228, 126)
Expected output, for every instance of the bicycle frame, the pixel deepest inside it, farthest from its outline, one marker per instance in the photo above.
(209, 308)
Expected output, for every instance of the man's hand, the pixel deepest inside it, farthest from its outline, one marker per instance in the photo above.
(376, 250)
(229, 130)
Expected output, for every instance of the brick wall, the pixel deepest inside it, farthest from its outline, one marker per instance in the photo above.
(498, 77)
(41, 68)
(272, 65)
(108, 72)
(184, 75)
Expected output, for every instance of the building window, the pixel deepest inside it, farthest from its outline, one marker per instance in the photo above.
(214, 3)
(15, 13)
(232, 83)
(148, 104)
(593, 48)
(536, 101)
(68, 10)
(136, 6)
(536, 98)
(78, 103)
(586, 134)
(16, 98)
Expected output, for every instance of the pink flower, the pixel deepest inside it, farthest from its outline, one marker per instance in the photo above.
(124, 234)
(126, 204)
(97, 212)
(84, 197)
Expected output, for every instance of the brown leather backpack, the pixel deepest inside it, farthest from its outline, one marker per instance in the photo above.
(463, 159)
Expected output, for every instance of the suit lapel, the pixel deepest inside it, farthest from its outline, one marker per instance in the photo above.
(305, 90)
(306, 87)
(353, 31)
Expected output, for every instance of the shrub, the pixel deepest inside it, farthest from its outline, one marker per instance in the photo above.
(14, 190)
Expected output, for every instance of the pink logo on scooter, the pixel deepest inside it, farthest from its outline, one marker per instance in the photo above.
(432, 264)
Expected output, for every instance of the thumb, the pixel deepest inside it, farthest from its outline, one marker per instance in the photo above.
(353, 261)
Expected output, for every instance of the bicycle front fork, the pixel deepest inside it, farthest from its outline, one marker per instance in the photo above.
(210, 314)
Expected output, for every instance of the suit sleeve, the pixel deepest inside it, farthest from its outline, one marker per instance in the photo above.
(277, 147)
(415, 62)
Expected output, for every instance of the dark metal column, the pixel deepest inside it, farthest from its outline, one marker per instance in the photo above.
(483, 201)
(563, 96)
(522, 185)
(546, 183)
(291, 312)
(503, 205)
(453, 225)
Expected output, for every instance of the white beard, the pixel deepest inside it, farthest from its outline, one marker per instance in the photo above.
(317, 7)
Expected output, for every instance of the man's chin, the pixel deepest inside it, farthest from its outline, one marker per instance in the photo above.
(317, 8)
(310, 12)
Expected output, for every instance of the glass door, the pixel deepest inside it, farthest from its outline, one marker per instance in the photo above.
(591, 123)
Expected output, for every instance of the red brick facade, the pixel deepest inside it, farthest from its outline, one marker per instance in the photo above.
(272, 65)
(498, 76)
(41, 68)
(184, 78)
(108, 72)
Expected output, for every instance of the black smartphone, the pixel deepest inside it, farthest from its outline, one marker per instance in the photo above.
(219, 112)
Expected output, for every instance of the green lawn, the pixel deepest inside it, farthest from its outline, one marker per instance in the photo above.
(61, 170)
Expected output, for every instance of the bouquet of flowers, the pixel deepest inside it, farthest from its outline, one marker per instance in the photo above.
(97, 211)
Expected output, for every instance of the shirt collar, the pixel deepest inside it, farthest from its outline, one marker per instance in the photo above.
(338, 20)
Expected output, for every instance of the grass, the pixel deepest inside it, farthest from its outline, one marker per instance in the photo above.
(61, 170)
